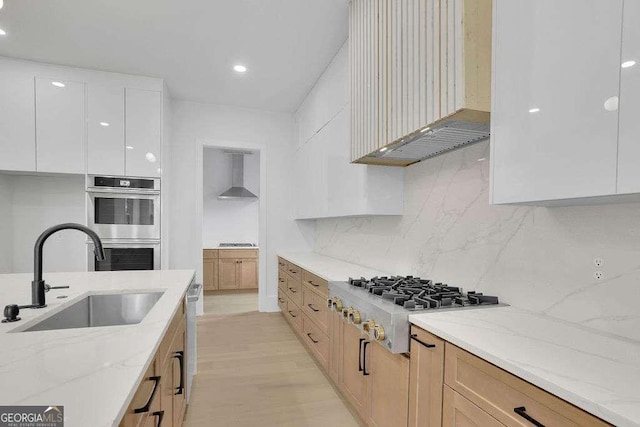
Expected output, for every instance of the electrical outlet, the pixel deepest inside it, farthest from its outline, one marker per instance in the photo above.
(599, 275)
(598, 262)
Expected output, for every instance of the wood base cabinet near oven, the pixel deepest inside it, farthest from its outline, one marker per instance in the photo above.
(229, 269)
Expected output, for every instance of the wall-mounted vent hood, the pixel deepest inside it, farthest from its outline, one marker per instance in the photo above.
(237, 190)
(449, 133)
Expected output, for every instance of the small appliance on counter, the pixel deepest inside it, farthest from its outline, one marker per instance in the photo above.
(381, 306)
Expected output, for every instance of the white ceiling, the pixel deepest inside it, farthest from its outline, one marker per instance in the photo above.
(192, 44)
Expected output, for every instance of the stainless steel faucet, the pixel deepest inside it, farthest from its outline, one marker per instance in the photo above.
(38, 286)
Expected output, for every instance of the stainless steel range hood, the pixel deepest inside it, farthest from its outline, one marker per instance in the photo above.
(237, 190)
(458, 130)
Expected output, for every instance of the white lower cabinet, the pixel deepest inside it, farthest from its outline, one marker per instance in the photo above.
(143, 132)
(105, 130)
(60, 126)
(556, 81)
(17, 121)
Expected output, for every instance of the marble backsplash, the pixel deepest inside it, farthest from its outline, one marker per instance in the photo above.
(536, 258)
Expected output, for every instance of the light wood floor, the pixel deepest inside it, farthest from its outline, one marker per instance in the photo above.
(253, 371)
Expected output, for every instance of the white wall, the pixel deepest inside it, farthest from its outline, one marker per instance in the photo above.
(36, 203)
(6, 230)
(274, 132)
(234, 220)
(533, 257)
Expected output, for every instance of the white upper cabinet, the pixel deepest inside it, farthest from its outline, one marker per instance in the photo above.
(60, 126)
(556, 80)
(105, 130)
(629, 135)
(17, 120)
(143, 130)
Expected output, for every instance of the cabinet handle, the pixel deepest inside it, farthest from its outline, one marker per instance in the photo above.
(160, 415)
(364, 358)
(292, 271)
(145, 408)
(311, 307)
(312, 284)
(360, 354)
(180, 356)
(522, 411)
(311, 338)
(281, 280)
(291, 313)
(280, 299)
(415, 338)
(293, 290)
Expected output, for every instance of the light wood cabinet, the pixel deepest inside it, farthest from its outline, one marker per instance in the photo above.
(161, 397)
(353, 378)
(426, 379)
(413, 63)
(387, 386)
(60, 126)
(460, 412)
(230, 269)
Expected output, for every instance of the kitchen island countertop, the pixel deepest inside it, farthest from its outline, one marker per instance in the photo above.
(92, 372)
(595, 371)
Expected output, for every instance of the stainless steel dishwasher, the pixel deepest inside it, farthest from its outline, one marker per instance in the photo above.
(193, 294)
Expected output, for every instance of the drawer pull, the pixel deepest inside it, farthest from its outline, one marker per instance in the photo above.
(311, 338)
(281, 300)
(293, 290)
(291, 313)
(146, 407)
(312, 284)
(180, 356)
(364, 358)
(360, 354)
(522, 411)
(281, 280)
(312, 308)
(293, 271)
(415, 337)
(160, 415)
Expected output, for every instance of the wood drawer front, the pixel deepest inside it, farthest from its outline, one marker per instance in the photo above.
(294, 291)
(460, 412)
(498, 393)
(164, 350)
(145, 394)
(282, 280)
(317, 340)
(316, 283)
(294, 271)
(294, 315)
(282, 263)
(282, 300)
(237, 253)
(315, 307)
(210, 253)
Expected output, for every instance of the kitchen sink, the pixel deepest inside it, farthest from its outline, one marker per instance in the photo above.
(101, 310)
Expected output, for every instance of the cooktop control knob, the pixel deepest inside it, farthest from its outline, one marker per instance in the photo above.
(346, 312)
(337, 303)
(378, 333)
(368, 325)
(330, 302)
(354, 317)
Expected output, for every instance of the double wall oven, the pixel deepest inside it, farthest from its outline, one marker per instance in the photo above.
(125, 212)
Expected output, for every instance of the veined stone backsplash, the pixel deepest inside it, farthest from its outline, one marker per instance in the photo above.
(536, 258)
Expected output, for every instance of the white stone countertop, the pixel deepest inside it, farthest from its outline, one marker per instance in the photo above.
(92, 372)
(232, 248)
(595, 371)
(330, 269)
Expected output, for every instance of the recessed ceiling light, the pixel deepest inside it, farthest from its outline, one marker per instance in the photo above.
(1, 3)
(534, 110)
(2, 32)
(105, 124)
(240, 68)
(129, 147)
(627, 64)
(58, 84)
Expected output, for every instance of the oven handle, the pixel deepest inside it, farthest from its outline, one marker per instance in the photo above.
(122, 191)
